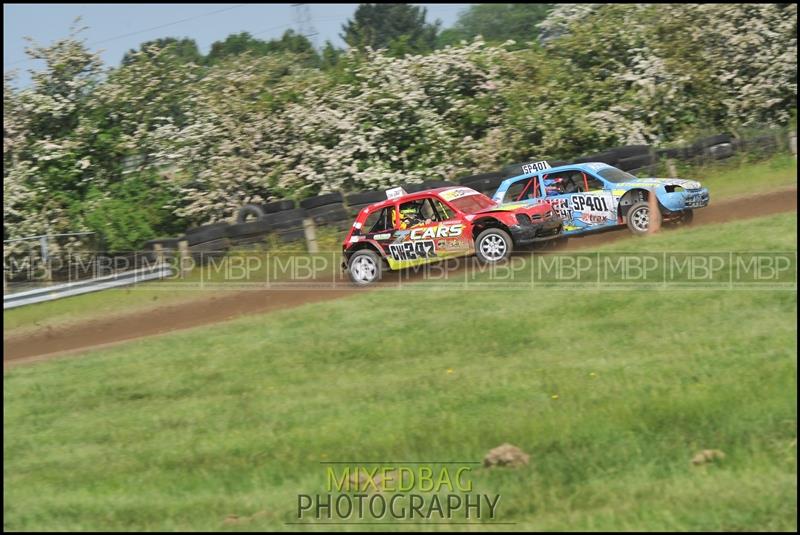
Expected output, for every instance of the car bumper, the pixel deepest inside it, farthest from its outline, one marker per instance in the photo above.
(685, 200)
(536, 232)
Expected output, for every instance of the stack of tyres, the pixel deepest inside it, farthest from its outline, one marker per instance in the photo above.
(486, 183)
(208, 241)
(287, 224)
(716, 147)
(252, 225)
(327, 210)
(358, 201)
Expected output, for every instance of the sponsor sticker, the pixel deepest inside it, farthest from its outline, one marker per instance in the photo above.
(456, 193)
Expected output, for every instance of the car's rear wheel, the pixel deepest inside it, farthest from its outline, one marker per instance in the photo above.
(493, 245)
(639, 217)
(364, 267)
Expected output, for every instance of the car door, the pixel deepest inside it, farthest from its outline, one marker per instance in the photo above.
(580, 198)
(429, 230)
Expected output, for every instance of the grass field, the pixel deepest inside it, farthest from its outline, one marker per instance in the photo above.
(610, 392)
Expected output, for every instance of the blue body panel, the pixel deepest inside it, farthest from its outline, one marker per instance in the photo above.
(594, 203)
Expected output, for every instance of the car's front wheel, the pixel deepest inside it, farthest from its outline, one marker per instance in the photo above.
(364, 267)
(639, 217)
(493, 245)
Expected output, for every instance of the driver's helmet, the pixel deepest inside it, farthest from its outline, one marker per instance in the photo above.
(408, 216)
(554, 185)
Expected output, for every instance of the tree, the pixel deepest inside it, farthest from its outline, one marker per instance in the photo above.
(497, 23)
(184, 50)
(401, 28)
(239, 43)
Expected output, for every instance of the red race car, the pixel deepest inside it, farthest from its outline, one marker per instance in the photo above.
(412, 229)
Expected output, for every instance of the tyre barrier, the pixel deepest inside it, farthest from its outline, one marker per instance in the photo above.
(203, 252)
(249, 212)
(629, 151)
(466, 180)
(710, 141)
(279, 206)
(321, 200)
(719, 152)
(206, 233)
(636, 162)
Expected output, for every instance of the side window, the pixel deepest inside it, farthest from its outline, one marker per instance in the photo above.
(571, 181)
(523, 190)
(594, 183)
(422, 212)
(442, 211)
(380, 220)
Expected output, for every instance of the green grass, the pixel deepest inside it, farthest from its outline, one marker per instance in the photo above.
(742, 176)
(610, 392)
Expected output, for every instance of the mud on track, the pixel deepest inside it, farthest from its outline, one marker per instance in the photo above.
(36, 346)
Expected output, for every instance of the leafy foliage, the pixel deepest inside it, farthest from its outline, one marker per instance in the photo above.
(262, 121)
(398, 27)
(497, 23)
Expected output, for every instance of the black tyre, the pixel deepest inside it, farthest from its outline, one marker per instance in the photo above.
(249, 212)
(493, 245)
(639, 217)
(629, 151)
(354, 209)
(250, 228)
(413, 188)
(365, 197)
(365, 267)
(608, 157)
(202, 252)
(486, 185)
(430, 184)
(721, 151)
(636, 162)
(467, 180)
(278, 206)
(710, 141)
(291, 235)
(287, 218)
(321, 200)
(207, 233)
(326, 215)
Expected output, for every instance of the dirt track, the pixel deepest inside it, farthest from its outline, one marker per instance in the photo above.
(59, 341)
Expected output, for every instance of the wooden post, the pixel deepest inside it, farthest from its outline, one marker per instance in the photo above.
(793, 143)
(310, 231)
(654, 216)
(158, 249)
(183, 257)
(671, 168)
(48, 274)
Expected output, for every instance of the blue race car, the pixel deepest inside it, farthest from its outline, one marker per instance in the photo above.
(594, 196)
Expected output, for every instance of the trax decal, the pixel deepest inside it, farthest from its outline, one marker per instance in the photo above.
(412, 250)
